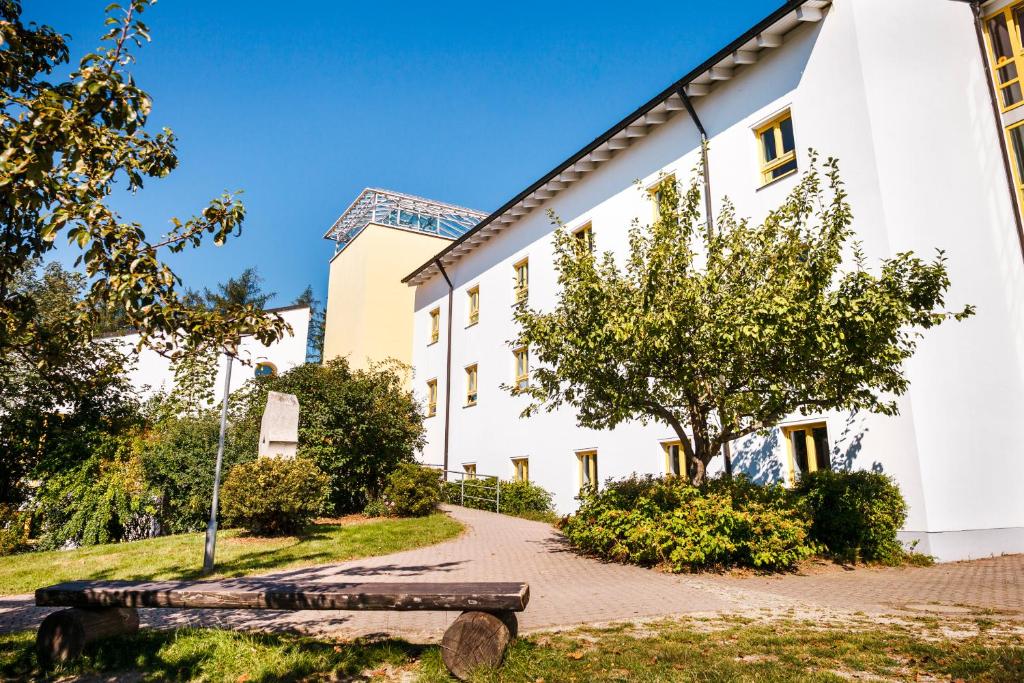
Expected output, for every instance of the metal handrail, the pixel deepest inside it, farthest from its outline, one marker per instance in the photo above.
(463, 476)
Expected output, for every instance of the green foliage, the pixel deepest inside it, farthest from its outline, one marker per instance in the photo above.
(14, 527)
(518, 498)
(68, 145)
(856, 514)
(412, 491)
(317, 325)
(376, 508)
(668, 521)
(103, 500)
(357, 425)
(721, 334)
(274, 495)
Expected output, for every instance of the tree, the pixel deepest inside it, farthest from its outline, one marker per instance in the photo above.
(722, 335)
(317, 325)
(66, 147)
(244, 290)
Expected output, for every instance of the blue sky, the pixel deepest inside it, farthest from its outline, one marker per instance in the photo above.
(303, 104)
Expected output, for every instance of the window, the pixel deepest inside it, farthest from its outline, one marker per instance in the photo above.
(656, 192)
(474, 305)
(522, 280)
(778, 148)
(676, 462)
(522, 357)
(470, 469)
(431, 397)
(471, 385)
(588, 470)
(265, 369)
(1006, 53)
(435, 325)
(522, 468)
(1016, 135)
(585, 236)
(808, 449)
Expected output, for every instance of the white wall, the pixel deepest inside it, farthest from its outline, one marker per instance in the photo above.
(153, 373)
(896, 106)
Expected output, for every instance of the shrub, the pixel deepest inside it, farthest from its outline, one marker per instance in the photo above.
(647, 520)
(412, 491)
(274, 495)
(376, 508)
(855, 514)
(13, 530)
(356, 425)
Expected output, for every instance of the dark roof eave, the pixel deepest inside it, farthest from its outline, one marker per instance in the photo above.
(786, 8)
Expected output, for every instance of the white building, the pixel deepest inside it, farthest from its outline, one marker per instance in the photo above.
(153, 373)
(900, 92)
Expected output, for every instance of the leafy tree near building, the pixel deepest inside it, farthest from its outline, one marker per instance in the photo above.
(317, 322)
(722, 335)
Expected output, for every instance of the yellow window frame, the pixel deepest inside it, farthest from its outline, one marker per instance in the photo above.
(472, 384)
(474, 305)
(435, 325)
(1016, 157)
(768, 167)
(684, 461)
(522, 367)
(522, 468)
(585, 235)
(431, 397)
(812, 452)
(469, 469)
(654, 192)
(1013, 15)
(521, 274)
(587, 469)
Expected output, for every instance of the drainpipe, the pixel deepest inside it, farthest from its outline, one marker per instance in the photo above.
(448, 368)
(979, 31)
(726, 450)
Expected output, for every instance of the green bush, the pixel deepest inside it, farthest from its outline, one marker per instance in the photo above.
(13, 530)
(518, 498)
(855, 514)
(648, 521)
(356, 425)
(376, 508)
(412, 491)
(274, 495)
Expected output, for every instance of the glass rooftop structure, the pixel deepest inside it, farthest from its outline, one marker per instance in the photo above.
(402, 211)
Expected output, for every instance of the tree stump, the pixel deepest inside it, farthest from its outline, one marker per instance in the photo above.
(63, 635)
(477, 639)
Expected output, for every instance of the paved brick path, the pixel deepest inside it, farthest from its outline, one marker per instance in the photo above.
(567, 589)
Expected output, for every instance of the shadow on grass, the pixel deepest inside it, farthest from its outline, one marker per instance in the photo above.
(212, 655)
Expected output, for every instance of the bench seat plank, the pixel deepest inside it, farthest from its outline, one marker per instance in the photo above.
(284, 595)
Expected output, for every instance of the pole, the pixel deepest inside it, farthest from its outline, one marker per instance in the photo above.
(211, 527)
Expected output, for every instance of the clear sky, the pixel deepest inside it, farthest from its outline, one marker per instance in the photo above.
(303, 104)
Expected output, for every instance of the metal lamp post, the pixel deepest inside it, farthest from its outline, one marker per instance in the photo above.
(211, 527)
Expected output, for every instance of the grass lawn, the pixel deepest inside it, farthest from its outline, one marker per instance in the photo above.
(181, 557)
(705, 650)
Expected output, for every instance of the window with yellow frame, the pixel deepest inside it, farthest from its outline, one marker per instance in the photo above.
(1006, 53)
(471, 385)
(522, 363)
(777, 147)
(676, 462)
(656, 192)
(1015, 135)
(585, 236)
(522, 469)
(474, 305)
(808, 449)
(431, 397)
(470, 469)
(587, 461)
(435, 325)
(521, 273)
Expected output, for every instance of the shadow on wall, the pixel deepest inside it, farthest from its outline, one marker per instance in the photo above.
(761, 458)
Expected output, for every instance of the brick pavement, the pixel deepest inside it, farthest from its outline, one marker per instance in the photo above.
(568, 590)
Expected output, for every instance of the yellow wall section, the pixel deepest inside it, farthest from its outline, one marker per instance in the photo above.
(369, 309)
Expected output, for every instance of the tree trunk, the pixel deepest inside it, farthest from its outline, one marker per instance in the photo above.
(475, 640)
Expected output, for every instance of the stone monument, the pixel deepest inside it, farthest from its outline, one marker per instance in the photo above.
(279, 430)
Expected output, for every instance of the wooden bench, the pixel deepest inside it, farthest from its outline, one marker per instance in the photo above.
(100, 609)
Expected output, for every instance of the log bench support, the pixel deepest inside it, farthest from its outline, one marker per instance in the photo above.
(64, 634)
(478, 637)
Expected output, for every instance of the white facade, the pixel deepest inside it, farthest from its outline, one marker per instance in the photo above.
(896, 90)
(153, 373)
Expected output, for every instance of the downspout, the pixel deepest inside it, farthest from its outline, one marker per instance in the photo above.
(979, 31)
(447, 369)
(726, 451)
